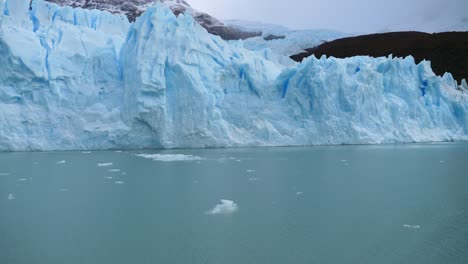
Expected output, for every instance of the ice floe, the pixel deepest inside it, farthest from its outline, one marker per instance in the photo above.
(61, 162)
(169, 157)
(225, 207)
(114, 170)
(119, 182)
(104, 164)
(11, 196)
(412, 226)
(4, 173)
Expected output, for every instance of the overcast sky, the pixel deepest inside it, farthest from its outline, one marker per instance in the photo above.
(351, 16)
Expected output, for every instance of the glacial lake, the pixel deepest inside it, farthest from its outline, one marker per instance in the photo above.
(343, 204)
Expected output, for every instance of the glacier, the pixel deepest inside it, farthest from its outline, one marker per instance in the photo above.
(76, 79)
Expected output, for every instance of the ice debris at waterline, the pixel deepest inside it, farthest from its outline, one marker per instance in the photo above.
(104, 164)
(226, 207)
(86, 79)
(169, 157)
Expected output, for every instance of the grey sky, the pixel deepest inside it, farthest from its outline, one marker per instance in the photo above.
(352, 16)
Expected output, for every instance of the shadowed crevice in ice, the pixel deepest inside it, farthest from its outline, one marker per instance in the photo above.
(169, 157)
(226, 207)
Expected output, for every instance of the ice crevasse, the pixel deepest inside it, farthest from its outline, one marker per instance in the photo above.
(87, 79)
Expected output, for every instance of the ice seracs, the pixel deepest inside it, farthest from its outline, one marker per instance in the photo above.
(87, 79)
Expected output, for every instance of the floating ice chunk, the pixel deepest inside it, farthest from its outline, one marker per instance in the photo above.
(119, 182)
(114, 170)
(124, 173)
(412, 226)
(253, 179)
(61, 162)
(442, 161)
(299, 193)
(343, 160)
(118, 151)
(250, 171)
(226, 207)
(104, 164)
(86, 152)
(169, 157)
(11, 196)
(108, 177)
(239, 160)
(4, 173)
(22, 180)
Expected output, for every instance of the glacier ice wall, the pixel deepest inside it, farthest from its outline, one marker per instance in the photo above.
(86, 79)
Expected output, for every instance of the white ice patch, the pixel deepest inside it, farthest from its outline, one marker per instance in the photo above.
(226, 207)
(119, 182)
(250, 171)
(11, 196)
(169, 157)
(299, 193)
(104, 164)
(114, 170)
(22, 180)
(412, 226)
(118, 151)
(108, 177)
(61, 162)
(4, 174)
(86, 152)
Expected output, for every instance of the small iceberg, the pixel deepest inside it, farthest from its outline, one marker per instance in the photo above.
(104, 164)
(169, 157)
(114, 170)
(412, 226)
(86, 152)
(11, 196)
(250, 171)
(108, 177)
(22, 180)
(119, 182)
(226, 207)
(61, 162)
(4, 173)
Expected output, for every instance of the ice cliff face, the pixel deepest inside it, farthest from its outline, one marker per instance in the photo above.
(81, 79)
(134, 8)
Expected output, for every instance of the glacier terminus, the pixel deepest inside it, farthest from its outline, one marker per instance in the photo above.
(77, 79)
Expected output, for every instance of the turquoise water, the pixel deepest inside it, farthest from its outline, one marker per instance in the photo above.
(346, 204)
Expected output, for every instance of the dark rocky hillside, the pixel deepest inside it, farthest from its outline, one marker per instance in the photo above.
(448, 51)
